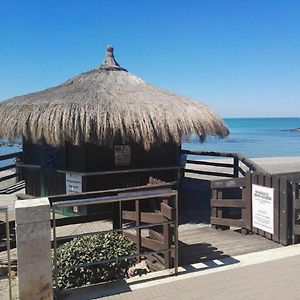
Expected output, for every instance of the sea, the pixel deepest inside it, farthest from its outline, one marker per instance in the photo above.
(255, 137)
(252, 137)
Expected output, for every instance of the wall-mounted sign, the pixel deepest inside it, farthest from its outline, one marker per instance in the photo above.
(73, 183)
(122, 155)
(263, 208)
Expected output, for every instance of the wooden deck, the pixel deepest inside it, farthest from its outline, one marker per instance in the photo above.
(200, 244)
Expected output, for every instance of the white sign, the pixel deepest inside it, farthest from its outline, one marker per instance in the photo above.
(122, 155)
(263, 208)
(73, 183)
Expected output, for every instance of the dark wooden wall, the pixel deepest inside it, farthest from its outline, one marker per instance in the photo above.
(46, 180)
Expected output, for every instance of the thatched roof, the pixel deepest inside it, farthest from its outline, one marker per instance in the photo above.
(108, 102)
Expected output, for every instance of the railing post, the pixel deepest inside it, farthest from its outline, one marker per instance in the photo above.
(138, 231)
(33, 234)
(235, 167)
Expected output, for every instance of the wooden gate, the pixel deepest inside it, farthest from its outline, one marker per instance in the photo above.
(231, 205)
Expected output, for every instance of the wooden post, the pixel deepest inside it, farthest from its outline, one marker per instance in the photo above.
(283, 237)
(138, 231)
(166, 235)
(235, 167)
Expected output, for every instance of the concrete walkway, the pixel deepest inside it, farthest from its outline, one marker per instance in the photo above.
(271, 274)
(270, 280)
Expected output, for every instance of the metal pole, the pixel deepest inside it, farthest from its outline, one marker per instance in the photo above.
(176, 235)
(8, 253)
(55, 249)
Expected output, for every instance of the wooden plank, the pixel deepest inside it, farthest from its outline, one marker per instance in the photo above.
(209, 153)
(242, 171)
(296, 229)
(244, 212)
(228, 222)
(213, 208)
(10, 156)
(283, 235)
(150, 218)
(229, 183)
(95, 194)
(209, 163)
(247, 197)
(12, 166)
(235, 167)
(254, 181)
(297, 204)
(268, 183)
(261, 181)
(276, 186)
(146, 242)
(220, 212)
(166, 243)
(167, 211)
(138, 231)
(199, 172)
(228, 203)
(154, 235)
(9, 176)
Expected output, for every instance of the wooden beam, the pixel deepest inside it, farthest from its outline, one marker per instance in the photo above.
(9, 176)
(167, 211)
(296, 229)
(228, 203)
(208, 173)
(209, 163)
(10, 156)
(146, 242)
(150, 218)
(155, 235)
(229, 183)
(7, 167)
(228, 222)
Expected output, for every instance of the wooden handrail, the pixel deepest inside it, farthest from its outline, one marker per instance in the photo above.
(235, 155)
(17, 174)
(11, 155)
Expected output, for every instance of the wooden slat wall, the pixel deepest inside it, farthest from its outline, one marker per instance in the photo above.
(284, 205)
(221, 205)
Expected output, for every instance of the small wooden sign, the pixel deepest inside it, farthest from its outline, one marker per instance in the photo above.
(122, 155)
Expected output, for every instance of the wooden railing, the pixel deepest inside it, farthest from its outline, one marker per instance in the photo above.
(237, 168)
(231, 205)
(13, 168)
(132, 221)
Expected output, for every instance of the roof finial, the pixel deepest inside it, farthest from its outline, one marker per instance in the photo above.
(110, 63)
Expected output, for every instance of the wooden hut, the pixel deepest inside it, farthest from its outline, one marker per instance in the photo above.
(102, 129)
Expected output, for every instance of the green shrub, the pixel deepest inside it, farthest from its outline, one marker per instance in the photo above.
(90, 249)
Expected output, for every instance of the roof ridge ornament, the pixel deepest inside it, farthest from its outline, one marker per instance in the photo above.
(110, 62)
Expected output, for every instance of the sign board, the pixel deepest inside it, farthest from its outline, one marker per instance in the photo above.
(263, 208)
(73, 183)
(122, 155)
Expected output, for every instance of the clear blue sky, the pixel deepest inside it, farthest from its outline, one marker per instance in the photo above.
(241, 57)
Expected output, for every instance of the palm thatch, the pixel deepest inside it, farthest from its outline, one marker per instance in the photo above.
(105, 103)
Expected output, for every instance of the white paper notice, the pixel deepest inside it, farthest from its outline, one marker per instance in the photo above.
(73, 183)
(263, 208)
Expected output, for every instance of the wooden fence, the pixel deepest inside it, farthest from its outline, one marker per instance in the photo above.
(232, 205)
(154, 231)
(14, 172)
(237, 167)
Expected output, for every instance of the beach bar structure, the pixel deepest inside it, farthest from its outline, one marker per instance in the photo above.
(105, 128)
